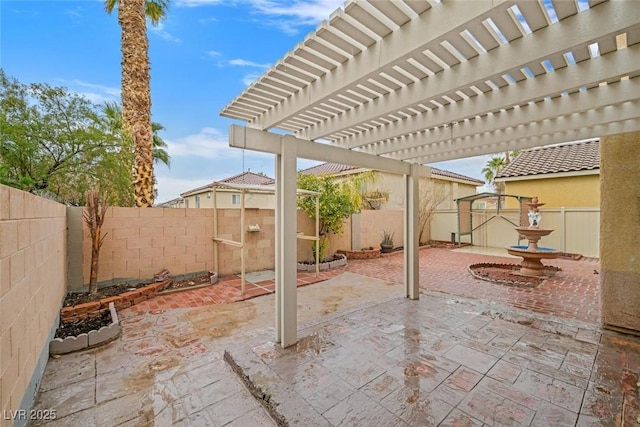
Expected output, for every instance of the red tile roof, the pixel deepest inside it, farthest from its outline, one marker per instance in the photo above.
(569, 157)
(449, 174)
(249, 178)
(328, 169)
(242, 178)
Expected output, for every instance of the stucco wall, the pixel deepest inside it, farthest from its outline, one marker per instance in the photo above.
(570, 192)
(620, 230)
(224, 200)
(32, 287)
(394, 184)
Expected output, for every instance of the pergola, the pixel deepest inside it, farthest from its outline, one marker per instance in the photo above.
(392, 85)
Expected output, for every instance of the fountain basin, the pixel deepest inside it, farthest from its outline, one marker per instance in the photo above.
(532, 258)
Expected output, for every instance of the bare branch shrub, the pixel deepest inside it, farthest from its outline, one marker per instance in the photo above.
(431, 195)
(93, 215)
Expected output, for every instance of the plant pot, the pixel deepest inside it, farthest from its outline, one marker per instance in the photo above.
(385, 249)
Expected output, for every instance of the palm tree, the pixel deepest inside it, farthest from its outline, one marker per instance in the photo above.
(136, 90)
(491, 170)
(113, 114)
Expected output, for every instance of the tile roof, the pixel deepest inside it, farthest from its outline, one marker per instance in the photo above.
(242, 178)
(249, 178)
(569, 157)
(336, 168)
(449, 174)
(328, 169)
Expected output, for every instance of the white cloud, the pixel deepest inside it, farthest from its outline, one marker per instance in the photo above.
(250, 78)
(288, 16)
(196, 3)
(95, 93)
(160, 31)
(213, 53)
(209, 143)
(245, 63)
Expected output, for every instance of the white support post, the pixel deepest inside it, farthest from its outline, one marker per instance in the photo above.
(278, 247)
(317, 236)
(216, 266)
(287, 236)
(412, 233)
(242, 248)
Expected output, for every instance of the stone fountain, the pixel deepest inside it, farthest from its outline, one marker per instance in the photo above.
(532, 254)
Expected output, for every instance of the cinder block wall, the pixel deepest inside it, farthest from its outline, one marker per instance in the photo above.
(143, 241)
(32, 287)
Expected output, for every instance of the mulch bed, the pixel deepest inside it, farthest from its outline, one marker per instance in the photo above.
(508, 274)
(84, 326)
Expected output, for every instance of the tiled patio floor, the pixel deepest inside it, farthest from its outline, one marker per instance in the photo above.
(461, 355)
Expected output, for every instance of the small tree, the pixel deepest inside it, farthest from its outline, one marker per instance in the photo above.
(93, 215)
(337, 202)
(431, 195)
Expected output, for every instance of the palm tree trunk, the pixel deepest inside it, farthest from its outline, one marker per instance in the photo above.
(136, 96)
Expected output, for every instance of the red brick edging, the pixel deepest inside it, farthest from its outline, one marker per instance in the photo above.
(122, 301)
(363, 254)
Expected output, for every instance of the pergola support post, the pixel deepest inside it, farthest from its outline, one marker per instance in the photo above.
(412, 233)
(286, 244)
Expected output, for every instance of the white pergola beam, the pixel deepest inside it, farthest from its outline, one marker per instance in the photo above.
(408, 40)
(432, 141)
(587, 73)
(576, 31)
(603, 122)
(266, 142)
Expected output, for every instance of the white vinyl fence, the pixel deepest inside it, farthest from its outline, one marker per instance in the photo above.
(576, 230)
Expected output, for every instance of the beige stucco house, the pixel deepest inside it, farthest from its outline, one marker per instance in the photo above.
(562, 175)
(444, 186)
(203, 197)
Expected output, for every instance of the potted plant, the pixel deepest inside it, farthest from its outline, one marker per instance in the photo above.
(386, 245)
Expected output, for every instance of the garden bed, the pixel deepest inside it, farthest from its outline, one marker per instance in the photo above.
(86, 333)
(364, 253)
(509, 274)
(338, 260)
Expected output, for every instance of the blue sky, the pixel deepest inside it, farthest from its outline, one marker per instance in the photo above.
(202, 56)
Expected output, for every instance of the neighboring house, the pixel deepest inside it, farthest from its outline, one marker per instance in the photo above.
(443, 185)
(562, 175)
(202, 197)
(173, 203)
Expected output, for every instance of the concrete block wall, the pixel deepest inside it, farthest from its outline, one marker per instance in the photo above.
(142, 241)
(32, 287)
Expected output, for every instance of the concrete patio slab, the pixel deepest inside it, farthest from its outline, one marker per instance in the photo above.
(381, 365)
(461, 355)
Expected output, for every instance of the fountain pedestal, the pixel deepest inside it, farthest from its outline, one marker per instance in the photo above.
(532, 254)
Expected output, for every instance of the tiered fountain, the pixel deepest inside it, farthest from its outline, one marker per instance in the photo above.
(532, 254)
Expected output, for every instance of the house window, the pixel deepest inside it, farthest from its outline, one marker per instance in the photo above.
(209, 195)
(235, 199)
(186, 203)
(197, 201)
